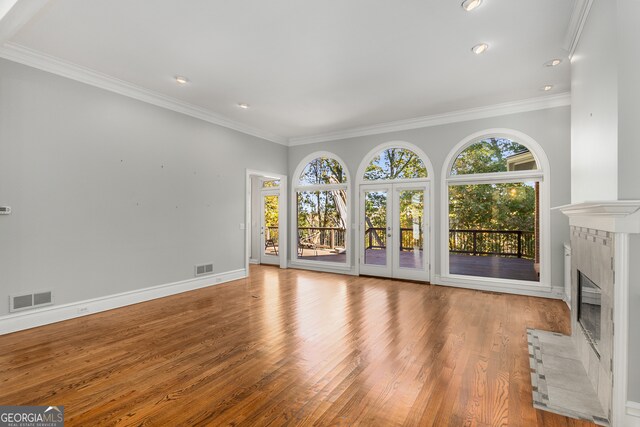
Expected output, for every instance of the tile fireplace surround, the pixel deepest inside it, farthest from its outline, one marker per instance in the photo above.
(600, 250)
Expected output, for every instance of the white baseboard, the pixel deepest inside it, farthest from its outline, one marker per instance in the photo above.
(324, 268)
(253, 261)
(554, 292)
(52, 314)
(633, 414)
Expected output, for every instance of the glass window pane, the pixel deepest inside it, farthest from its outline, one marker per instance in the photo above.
(494, 230)
(321, 221)
(271, 225)
(323, 170)
(375, 236)
(494, 155)
(271, 183)
(395, 163)
(410, 252)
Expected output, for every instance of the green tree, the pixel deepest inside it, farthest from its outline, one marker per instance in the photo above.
(486, 156)
(509, 206)
(395, 163)
(492, 206)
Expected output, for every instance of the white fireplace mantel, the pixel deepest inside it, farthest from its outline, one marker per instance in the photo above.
(616, 216)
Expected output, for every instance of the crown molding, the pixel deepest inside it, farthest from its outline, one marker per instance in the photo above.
(576, 24)
(48, 63)
(531, 104)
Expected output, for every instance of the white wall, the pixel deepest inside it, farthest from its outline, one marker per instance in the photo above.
(606, 127)
(594, 110)
(629, 98)
(628, 31)
(550, 128)
(110, 194)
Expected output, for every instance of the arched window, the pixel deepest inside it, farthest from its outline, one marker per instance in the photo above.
(322, 214)
(493, 155)
(493, 217)
(395, 163)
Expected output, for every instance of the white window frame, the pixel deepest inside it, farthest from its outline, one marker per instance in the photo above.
(296, 187)
(541, 175)
(431, 200)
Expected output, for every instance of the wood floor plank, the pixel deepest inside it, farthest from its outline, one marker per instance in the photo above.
(290, 347)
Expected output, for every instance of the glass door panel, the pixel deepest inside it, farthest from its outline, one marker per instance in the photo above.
(375, 235)
(375, 223)
(270, 229)
(410, 223)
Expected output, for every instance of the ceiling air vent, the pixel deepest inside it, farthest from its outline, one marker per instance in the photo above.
(28, 301)
(204, 269)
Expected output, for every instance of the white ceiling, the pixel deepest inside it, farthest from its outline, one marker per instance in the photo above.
(311, 67)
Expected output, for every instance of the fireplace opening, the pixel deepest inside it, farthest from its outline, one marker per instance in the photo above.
(589, 309)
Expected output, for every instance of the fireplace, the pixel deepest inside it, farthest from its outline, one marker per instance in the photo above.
(590, 309)
(601, 261)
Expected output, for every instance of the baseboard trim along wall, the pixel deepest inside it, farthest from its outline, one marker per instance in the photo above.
(52, 314)
(554, 292)
(633, 414)
(322, 268)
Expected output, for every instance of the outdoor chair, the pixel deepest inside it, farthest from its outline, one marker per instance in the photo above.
(308, 242)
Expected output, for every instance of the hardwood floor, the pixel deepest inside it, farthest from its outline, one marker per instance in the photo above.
(290, 347)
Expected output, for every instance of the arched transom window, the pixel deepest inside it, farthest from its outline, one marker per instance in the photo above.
(395, 163)
(322, 170)
(493, 155)
(322, 211)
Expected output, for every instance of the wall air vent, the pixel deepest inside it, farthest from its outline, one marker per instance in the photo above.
(204, 269)
(42, 298)
(29, 301)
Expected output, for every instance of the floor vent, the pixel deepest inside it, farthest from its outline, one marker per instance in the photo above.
(204, 269)
(29, 301)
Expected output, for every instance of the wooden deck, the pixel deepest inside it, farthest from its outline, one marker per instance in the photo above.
(493, 266)
(468, 265)
(295, 348)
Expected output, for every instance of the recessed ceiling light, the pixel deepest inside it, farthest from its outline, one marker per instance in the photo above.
(243, 105)
(469, 5)
(553, 63)
(181, 80)
(480, 48)
(547, 88)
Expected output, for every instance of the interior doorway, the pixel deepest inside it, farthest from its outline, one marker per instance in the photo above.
(266, 219)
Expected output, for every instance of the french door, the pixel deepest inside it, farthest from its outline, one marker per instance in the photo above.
(394, 227)
(269, 227)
